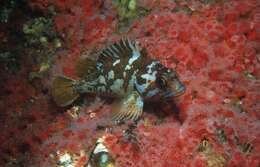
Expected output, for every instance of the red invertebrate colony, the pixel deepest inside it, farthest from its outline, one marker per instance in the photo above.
(214, 46)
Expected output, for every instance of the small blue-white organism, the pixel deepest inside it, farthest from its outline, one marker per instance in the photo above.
(100, 156)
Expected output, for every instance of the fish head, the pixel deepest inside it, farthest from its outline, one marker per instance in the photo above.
(169, 83)
(159, 82)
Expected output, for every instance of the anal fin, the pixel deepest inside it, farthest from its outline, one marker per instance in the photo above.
(128, 108)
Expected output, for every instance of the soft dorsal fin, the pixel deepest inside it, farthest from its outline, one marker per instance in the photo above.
(86, 68)
(123, 48)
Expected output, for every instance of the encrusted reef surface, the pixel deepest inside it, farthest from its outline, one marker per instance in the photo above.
(213, 45)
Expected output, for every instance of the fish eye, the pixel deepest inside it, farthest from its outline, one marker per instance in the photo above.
(162, 82)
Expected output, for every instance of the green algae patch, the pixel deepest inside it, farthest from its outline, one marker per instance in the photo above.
(128, 11)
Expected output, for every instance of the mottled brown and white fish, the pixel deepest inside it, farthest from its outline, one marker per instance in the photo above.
(122, 71)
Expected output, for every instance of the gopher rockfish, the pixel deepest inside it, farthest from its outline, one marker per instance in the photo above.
(122, 71)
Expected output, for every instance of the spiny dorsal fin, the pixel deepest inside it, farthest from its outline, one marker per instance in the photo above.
(123, 48)
(86, 68)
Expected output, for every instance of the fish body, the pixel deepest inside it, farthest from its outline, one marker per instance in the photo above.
(125, 72)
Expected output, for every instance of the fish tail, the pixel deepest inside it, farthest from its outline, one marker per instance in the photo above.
(64, 91)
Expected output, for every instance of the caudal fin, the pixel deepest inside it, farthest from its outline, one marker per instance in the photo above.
(63, 91)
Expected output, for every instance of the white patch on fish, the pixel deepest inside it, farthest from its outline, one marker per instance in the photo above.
(111, 75)
(116, 62)
(117, 86)
(102, 80)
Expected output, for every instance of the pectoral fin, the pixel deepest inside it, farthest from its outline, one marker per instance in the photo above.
(128, 108)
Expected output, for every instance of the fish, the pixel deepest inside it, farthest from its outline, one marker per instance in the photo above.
(122, 71)
(100, 156)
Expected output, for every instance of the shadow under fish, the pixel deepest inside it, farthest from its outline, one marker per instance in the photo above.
(122, 71)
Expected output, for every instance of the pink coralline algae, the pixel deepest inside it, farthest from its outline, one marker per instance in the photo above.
(213, 46)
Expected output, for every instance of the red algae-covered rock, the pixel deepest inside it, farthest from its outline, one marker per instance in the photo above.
(213, 47)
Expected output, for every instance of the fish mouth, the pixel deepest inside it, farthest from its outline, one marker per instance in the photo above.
(175, 93)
